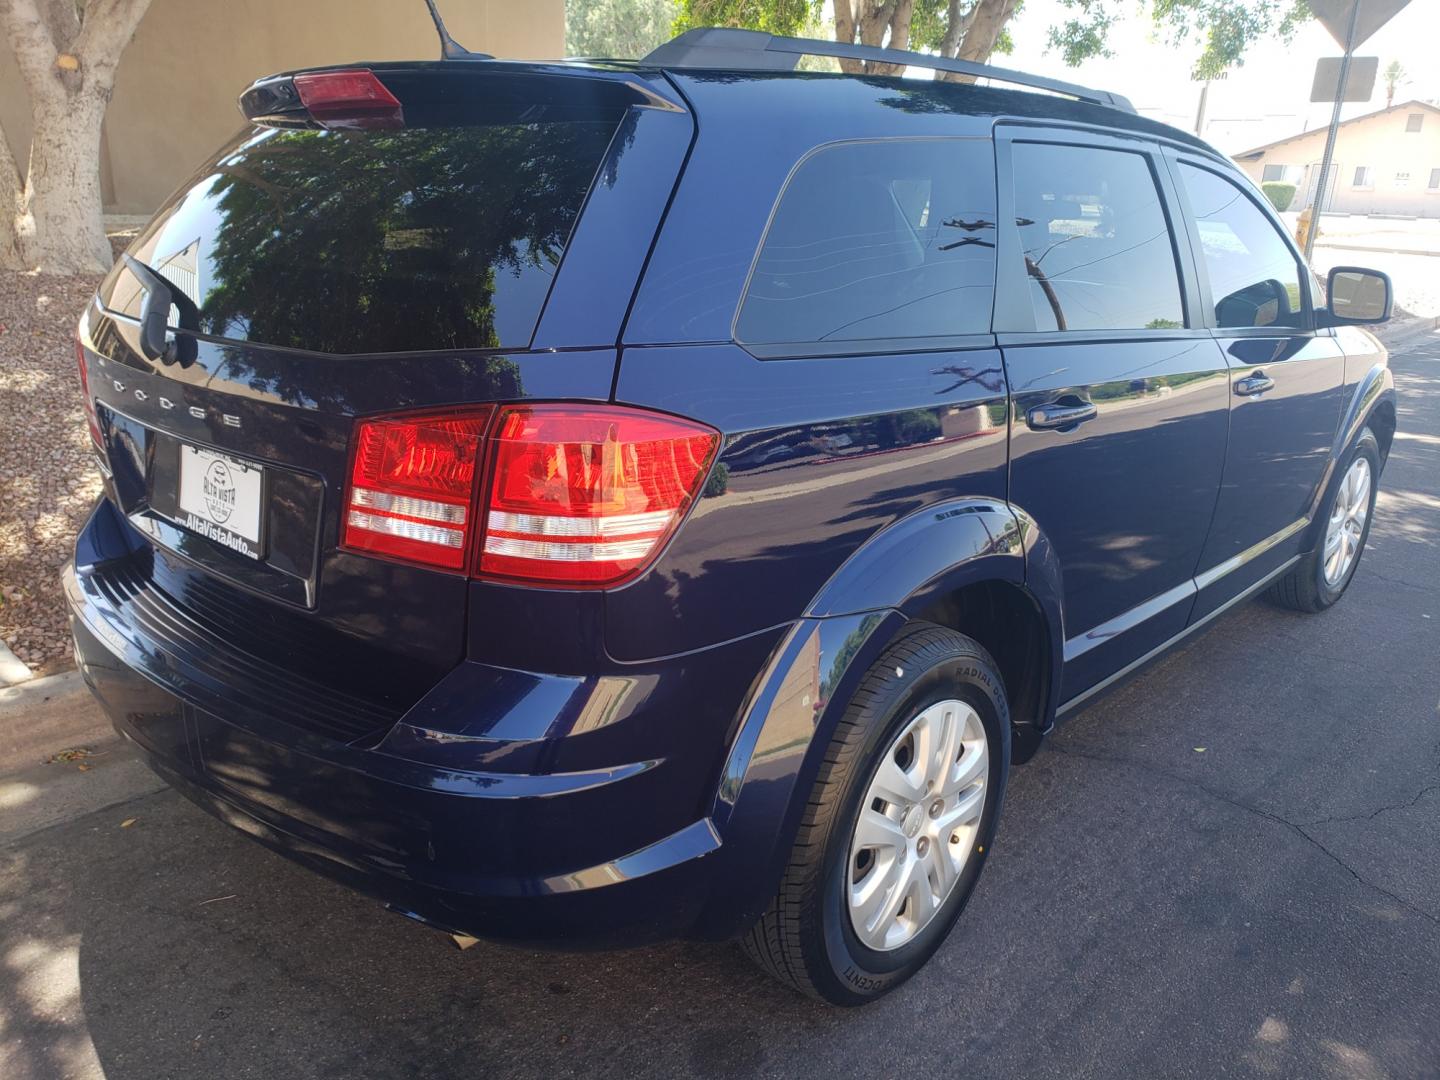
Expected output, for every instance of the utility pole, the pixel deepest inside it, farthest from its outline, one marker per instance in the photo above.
(1200, 112)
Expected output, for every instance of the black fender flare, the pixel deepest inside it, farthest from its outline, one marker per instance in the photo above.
(1375, 387)
(796, 702)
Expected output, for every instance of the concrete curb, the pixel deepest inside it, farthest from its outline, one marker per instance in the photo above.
(44, 716)
(1402, 332)
(12, 669)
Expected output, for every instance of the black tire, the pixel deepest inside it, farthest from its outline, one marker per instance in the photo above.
(1304, 588)
(805, 937)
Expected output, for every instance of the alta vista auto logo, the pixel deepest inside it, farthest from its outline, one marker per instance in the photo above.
(218, 487)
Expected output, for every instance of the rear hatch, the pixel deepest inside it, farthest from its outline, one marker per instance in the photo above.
(385, 238)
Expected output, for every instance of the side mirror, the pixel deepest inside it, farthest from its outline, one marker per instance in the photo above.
(1357, 296)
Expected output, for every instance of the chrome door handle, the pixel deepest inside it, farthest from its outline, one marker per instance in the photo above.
(1254, 384)
(1064, 415)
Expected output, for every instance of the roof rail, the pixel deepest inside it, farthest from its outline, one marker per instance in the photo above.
(754, 50)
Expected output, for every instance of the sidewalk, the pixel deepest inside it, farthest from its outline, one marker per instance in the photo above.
(1401, 236)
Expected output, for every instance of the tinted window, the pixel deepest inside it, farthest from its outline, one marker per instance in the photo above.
(1097, 249)
(1254, 279)
(379, 241)
(892, 239)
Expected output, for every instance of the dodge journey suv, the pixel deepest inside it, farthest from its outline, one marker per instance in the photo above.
(601, 502)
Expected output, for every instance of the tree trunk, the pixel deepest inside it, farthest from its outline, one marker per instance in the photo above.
(986, 22)
(53, 221)
(973, 35)
(872, 23)
(9, 208)
(66, 229)
(845, 33)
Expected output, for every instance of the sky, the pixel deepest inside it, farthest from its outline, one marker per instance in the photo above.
(1265, 99)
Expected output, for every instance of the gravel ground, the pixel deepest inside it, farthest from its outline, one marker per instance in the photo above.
(47, 475)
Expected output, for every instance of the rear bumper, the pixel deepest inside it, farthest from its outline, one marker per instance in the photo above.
(594, 843)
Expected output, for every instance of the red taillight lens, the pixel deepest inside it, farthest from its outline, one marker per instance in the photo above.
(586, 497)
(577, 496)
(351, 98)
(90, 415)
(412, 487)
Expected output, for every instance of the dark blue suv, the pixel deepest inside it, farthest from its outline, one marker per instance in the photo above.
(602, 502)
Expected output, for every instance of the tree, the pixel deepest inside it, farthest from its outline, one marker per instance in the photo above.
(624, 29)
(1395, 76)
(975, 29)
(67, 52)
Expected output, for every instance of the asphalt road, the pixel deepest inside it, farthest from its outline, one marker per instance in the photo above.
(1227, 868)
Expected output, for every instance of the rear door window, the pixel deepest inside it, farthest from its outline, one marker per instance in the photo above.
(1096, 243)
(440, 236)
(893, 239)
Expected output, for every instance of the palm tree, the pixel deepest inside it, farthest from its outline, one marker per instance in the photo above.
(1394, 76)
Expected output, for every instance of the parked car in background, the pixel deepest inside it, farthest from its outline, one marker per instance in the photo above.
(602, 503)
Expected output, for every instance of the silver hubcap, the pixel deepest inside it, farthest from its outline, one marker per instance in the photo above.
(1347, 522)
(917, 825)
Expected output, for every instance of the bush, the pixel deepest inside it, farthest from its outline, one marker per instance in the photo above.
(1280, 194)
(719, 481)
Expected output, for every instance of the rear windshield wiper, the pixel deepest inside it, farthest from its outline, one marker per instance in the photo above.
(161, 294)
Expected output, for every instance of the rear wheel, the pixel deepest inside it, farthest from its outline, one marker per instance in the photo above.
(898, 825)
(1321, 578)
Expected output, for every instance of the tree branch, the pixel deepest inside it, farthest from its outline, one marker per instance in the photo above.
(109, 25)
(33, 42)
(986, 22)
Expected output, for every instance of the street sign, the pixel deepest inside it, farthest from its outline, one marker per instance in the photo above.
(1334, 15)
(1359, 80)
(1350, 22)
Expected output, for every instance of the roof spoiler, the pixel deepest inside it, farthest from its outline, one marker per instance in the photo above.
(754, 50)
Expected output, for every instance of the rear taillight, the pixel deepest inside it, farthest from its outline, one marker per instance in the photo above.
(574, 496)
(586, 497)
(350, 98)
(90, 415)
(412, 487)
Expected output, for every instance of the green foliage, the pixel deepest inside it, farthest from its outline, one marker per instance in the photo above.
(1227, 27)
(788, 17)
(1280, 194)
(718, 482)
(619, 29)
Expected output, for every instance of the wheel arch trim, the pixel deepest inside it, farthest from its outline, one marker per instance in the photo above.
(802, 693)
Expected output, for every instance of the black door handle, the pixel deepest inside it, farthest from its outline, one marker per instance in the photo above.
(1064, 415)
(1256, 383)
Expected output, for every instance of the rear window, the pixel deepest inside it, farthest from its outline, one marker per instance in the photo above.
(878, 240)
(443, 237)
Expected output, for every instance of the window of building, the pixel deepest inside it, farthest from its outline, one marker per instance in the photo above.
(1273, 172)
(1415, 121)
(1435, 179)
(1254, 277)
(1402, 179)
(878, 240)
(1364, 176)
(1097, 248)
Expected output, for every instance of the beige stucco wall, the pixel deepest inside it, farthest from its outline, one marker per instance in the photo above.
(1379, 142)
(178, 80)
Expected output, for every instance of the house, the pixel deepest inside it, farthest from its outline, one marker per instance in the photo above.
(178, 80)
(1386, 162)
